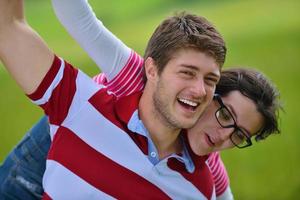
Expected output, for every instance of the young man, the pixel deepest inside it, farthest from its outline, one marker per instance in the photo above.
(163, 109)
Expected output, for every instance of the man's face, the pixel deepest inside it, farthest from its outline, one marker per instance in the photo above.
(185, 88)
(208, 136)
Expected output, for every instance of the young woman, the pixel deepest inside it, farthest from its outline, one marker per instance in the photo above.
(245, 106)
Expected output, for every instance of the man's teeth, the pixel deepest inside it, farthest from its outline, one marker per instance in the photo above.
(188, 102)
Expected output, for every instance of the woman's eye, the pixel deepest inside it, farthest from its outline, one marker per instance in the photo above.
(225, 115)
(240, 135)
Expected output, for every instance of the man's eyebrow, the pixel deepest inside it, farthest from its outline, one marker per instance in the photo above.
(193, 67)
(190, 67)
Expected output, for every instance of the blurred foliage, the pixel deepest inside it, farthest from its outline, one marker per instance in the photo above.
(261, 34)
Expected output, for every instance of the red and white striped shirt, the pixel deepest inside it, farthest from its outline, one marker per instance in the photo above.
(131, 74)
(111, 54)
(95, 156)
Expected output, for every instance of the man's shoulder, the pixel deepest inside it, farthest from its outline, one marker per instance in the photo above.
(117, 110)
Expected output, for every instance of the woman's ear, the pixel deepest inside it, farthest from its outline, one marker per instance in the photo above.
(150, 69)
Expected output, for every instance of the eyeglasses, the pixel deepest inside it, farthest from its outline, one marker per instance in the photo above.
(239, 137)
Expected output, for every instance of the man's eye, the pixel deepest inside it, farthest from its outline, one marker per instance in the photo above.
(211, 81)
(187, 73)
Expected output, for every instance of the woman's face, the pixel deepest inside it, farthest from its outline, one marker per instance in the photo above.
(208, 136)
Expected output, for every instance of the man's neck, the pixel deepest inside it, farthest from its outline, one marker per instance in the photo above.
(165, 138)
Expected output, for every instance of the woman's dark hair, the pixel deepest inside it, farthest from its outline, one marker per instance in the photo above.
(259, 89)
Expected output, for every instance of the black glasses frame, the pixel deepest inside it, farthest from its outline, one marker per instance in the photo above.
(234, 125)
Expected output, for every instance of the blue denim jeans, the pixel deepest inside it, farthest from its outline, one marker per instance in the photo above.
(22, 171)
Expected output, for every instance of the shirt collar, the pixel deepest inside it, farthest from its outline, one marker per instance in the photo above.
(125, 106)
(127, 110)
(136, 125)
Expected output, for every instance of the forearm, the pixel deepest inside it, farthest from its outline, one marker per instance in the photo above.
(109, 53)
(22, 51)
(10, 12)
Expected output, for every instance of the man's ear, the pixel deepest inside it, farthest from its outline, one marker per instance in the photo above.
(151, 69)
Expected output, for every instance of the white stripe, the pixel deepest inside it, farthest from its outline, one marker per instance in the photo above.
(68, 186)
(53, 130)
(92, 128)
(105, 137)
(85, 88)
(222, 188)
(216, 171)
(53, 85)
(176, 186)
(213, 195)
(226, 195)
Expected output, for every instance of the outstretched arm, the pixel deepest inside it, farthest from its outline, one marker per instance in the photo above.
(22, 51)
(108, 52)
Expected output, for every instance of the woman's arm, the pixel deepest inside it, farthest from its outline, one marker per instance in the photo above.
(108, 52)
(220, 176)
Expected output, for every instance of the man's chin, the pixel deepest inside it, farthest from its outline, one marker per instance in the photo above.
(182, 122)
(188, 123)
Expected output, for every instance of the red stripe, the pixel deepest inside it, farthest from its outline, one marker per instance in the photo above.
(124, 69)
(46, 82)
(220, 189)
(221, 184)
(46, 196)
(100, 79)
(119, 111)
(132, 71)
(129, 70)
(139, 87)
(136, 78)
(219, 173)
(100, 171)
(61, 98)
(57, 107)
(201, 178)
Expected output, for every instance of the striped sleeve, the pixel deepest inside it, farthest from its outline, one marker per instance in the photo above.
(219, 173)
(128, 80)
(100, 78)
(58, 93)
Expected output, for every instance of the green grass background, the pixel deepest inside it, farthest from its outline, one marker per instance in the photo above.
(264, 34)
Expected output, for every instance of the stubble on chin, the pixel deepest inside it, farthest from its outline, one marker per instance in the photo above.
(163, 113)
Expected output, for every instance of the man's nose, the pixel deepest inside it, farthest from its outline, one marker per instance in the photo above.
(199, 89)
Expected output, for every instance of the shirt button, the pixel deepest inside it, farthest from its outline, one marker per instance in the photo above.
(153, 154)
